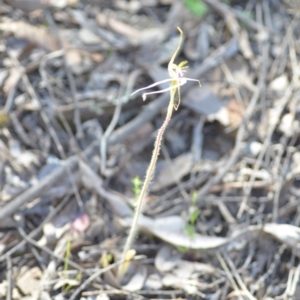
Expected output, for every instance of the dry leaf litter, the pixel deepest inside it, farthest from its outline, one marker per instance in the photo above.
(221, 219)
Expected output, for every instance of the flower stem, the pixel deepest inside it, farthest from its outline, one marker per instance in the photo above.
(140, 201)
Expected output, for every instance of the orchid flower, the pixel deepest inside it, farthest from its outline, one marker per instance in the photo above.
(176, 79)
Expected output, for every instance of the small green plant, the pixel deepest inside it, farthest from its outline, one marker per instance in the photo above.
(182, 249)
(66, 265)
(197, 7)
(194, 213)
(68, 254)
(177, 79)
(136, 186)
(106, 259)
(248, 16)
(77, 278)
(4, 119)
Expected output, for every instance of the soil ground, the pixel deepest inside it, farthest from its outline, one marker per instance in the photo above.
(221, 218)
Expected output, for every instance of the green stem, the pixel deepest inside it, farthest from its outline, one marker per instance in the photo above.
(149, 175)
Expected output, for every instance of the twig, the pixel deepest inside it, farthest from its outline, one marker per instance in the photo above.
(42, 70)
(46, 120)
(272, 126)
(272, 267)
(20, 130)
(229, 274)
(103, 144)
(36, 231)
(92, 278)
(77, 119)
(9, 277)
(225, 10)
(110, 128)
(50, 252)
(238, 143)
(293, 282)
(107, 133)
(10, 97)
(238, 277)
(96, 275)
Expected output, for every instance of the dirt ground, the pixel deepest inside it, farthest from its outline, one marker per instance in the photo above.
(221, 217)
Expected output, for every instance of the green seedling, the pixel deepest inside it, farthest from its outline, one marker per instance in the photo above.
(194, 213)
(177, 79)
(136, 186)
(4, 119)
(66, 265)
(77, 278)
(248, 15)
(197, 7)
(182, 249)
(68, 254)
(106, 259)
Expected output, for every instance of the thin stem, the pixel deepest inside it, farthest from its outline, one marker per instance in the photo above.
(176, 81)
(144, 190)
